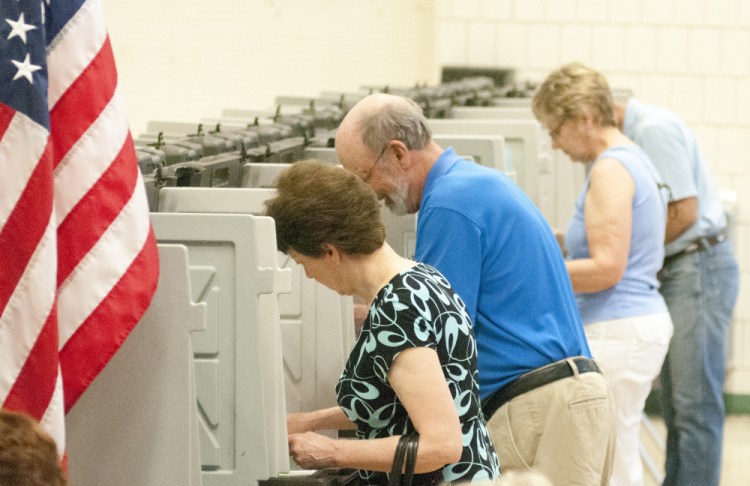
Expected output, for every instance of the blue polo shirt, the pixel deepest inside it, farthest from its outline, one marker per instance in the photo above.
(497, 250)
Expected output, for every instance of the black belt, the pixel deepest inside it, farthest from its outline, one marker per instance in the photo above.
(535, 379)
(700, 244)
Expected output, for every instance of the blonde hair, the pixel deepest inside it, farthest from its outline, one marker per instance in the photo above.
(573, 91)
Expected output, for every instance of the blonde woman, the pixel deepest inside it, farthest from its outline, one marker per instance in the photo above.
(615, 247)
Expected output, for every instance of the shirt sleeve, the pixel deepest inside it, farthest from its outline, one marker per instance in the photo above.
(452, 243)
(398, 325)
(670, 153)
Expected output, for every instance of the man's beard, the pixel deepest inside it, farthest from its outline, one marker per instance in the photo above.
(397, 201)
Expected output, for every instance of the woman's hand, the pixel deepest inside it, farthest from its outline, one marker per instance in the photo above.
(312, 451)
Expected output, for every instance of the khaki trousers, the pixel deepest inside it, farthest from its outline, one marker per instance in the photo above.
(565, 430)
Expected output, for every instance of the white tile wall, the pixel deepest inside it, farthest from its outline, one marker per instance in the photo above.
(705, 49)
(609, 44)
(511, 50)
(689, 55)
(735, 52)
(734, 145)
(452, 42)
(592, 10)
(482, 44)
(186, 60)
(687, 97)
(640, 48)
(659, 12)
(576, 42)
(690, 12)
(562, 10)
(528, 9)
(743, 101)
(723, 12)
(496, 9)
(543, 42)
(673, 52)
(721, 100)
(625, 10)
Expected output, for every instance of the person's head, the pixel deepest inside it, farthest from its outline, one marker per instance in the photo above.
(377, 140)
(574, 102)
(322, 211)
(28, 455)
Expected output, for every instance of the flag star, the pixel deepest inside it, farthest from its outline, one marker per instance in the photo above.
(25, 69)
(20, 27)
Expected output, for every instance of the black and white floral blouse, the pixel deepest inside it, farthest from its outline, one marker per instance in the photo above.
(418, 307)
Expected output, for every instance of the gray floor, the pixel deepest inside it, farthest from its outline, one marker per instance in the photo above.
(736, 459)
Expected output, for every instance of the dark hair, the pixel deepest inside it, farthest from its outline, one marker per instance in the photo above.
(28, 455)
(318, 203)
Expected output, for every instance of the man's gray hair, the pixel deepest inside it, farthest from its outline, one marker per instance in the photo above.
(397, 120)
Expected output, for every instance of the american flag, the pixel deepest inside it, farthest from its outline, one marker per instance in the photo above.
(78, 258)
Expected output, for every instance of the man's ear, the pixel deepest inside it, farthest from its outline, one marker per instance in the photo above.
(401, 151)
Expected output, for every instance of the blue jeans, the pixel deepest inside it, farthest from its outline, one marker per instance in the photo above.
(700, 290)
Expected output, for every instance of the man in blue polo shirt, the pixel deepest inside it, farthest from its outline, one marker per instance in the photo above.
(547, 406)
(699, 283)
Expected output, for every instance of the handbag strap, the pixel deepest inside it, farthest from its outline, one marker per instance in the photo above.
(398, 461)
(411, 458)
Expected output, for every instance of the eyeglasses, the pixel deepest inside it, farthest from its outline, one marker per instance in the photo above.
(368, 175)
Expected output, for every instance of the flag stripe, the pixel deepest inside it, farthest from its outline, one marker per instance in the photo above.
(90, 218)
(31, 302)
(72, 51)
(35, 384)
(24, 228)
(6, 115)
(53, 420)
(117, 247)
(61, 14)
(83, 103)
(84, 165)
(16, 166)
(131, 296)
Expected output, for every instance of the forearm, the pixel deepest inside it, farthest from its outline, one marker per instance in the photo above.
(589, 275)
(681, 215)
(325, 419)
(377, 454)
(313, 451)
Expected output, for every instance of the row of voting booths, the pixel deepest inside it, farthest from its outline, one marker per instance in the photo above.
(237, 336)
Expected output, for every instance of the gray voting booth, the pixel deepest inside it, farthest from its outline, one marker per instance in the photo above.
(316, 324)
(195, 396)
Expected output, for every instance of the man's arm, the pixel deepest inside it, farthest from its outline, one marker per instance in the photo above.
(681, 215)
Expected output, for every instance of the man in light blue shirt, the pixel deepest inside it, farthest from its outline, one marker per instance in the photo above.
(699, 282)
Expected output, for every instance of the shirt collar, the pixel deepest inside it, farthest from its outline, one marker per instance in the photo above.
(441, 166)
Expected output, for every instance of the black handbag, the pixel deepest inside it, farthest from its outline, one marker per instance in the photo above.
(406, 458)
